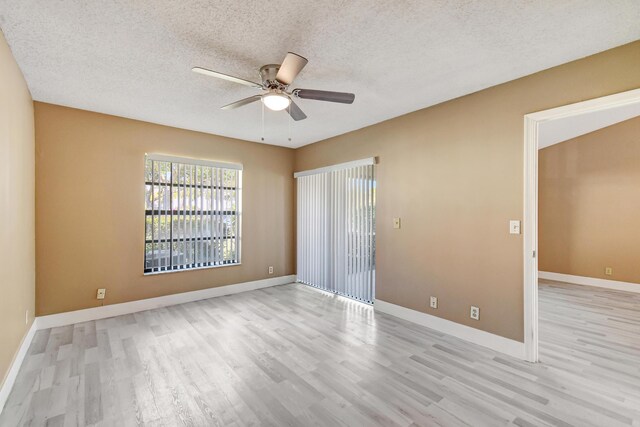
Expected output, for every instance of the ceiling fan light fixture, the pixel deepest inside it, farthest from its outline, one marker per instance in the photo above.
(276, 101)
(276, 80)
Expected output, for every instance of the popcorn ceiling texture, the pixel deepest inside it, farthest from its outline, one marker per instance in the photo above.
(133, 58)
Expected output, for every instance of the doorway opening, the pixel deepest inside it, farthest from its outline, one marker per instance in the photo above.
(543, 129)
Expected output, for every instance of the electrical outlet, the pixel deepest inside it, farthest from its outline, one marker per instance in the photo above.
(474, 313)
(101, 293)
(608, 271)
(270, 269)
(396, 222)
(433, 302)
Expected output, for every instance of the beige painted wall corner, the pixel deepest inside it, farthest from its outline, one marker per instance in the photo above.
(17, 209)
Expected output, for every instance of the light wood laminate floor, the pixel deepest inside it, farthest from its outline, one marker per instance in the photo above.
(291, 355)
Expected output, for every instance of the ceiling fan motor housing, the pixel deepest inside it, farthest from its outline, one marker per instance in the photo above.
(268, 75)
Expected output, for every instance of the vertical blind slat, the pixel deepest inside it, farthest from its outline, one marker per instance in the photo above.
(153, 217)
(220, 220)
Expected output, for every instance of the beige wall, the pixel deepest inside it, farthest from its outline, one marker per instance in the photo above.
(454, 174)
(17, 198)
(589, 204)
(90, 208)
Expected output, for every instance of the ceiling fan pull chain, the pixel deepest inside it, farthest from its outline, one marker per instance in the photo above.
(262, 137)
(289, 122)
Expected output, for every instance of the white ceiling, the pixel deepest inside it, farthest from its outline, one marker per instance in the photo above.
(133, 58)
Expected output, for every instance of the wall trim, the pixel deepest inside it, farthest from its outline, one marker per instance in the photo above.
(111, 310)
(494, 342)
(16, 364)
(591, 281)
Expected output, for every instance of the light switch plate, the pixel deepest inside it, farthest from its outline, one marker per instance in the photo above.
(396, 222)
(101, 293)
(433, 302)
(474, 313)
(514, 226)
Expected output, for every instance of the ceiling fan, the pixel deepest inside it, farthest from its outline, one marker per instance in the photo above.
(276, 80)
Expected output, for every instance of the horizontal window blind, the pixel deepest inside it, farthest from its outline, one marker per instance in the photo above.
(192, 214)
(336, 231)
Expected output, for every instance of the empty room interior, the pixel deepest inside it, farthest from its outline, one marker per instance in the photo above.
(417, 213)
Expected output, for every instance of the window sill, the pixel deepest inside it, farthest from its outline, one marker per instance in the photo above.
(155, 273)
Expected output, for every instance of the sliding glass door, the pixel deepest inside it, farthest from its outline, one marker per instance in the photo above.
(336, 229)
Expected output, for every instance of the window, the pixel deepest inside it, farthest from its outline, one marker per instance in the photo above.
(192, 213)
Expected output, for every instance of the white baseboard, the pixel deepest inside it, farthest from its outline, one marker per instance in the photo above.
(590, 281)
(10, 378)
(95, 313)
(495, 342)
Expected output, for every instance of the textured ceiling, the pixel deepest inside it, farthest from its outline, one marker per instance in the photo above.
(133, 58)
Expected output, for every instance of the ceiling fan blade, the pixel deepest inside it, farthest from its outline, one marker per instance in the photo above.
(291, 66)
(242, 102)
(295, 112)
(325, 95)
(223, 76)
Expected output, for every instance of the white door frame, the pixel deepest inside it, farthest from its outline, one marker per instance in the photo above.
(532, 123)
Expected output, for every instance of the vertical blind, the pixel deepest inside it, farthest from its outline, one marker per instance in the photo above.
(192, 213)
(336, 230)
